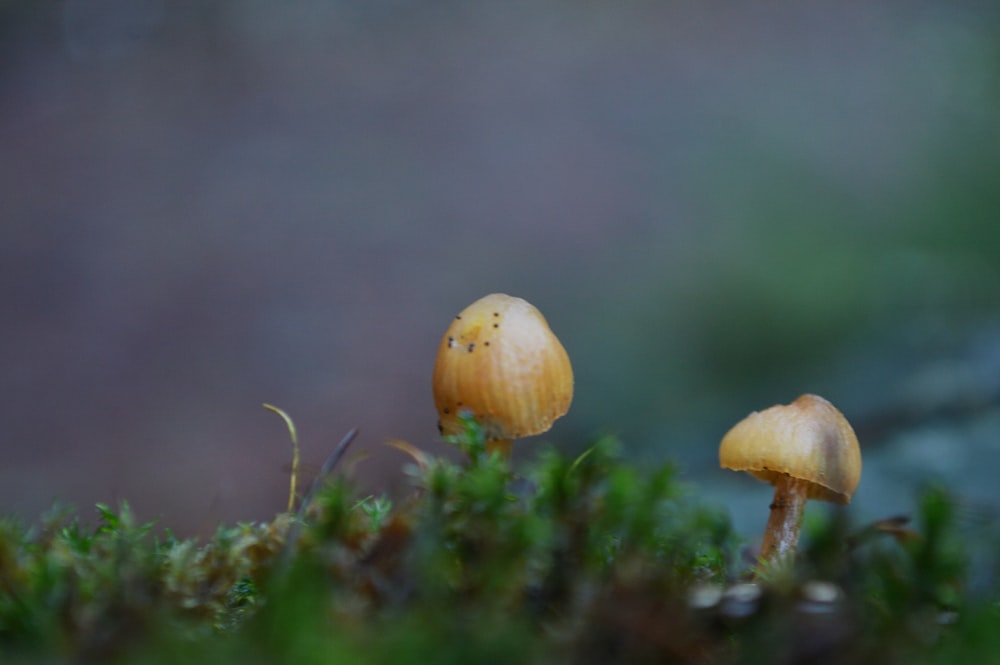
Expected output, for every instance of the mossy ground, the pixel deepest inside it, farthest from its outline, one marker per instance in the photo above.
(584, 560)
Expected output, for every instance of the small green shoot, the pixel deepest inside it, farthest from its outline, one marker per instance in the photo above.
(471, 439)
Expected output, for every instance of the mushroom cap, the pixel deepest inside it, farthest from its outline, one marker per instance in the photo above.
(808, 439)
(500, 361)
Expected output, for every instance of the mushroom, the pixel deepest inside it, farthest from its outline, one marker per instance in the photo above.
(500, 362)
(807, 450)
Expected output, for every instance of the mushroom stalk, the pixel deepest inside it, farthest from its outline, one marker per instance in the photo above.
(501, 447)
(782, 534)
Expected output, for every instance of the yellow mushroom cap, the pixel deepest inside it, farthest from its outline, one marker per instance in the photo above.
(500, 361)
(808, 439)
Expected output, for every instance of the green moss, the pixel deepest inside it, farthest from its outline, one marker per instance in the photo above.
(582, 560)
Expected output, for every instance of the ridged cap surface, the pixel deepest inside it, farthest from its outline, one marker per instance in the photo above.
(808, 439)
(500, 360)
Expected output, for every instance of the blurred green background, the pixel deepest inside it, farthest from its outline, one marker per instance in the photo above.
(211, 204)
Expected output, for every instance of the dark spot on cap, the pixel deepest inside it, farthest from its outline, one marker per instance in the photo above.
(451, 342)
(440, 428)
(458, 404)
(487, 343)
(472, 345)
(496, 325)
(446, 410)
(459, 316)
(496, 313)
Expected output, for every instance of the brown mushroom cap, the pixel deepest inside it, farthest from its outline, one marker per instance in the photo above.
(808, 439)
(500, 361)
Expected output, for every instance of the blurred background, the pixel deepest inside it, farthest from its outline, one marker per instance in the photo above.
(206, 205)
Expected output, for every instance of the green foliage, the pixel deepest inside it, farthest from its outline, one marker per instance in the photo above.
(582, 560)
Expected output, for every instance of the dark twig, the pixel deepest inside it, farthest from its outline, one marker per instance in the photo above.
(331, 461)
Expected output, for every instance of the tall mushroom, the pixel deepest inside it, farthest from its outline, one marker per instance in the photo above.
(499, 361)
(807, 450)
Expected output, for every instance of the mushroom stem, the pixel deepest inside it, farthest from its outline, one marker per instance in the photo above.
(502, 447)
(782, 534)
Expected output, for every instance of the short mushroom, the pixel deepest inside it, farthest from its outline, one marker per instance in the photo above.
(807, 450)
(500, 362)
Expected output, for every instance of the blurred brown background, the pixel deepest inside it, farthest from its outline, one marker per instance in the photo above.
(208, 205)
